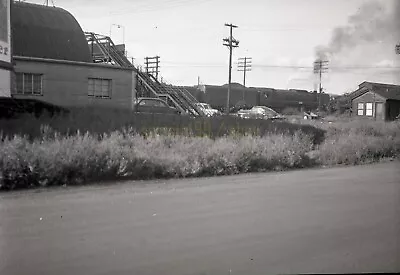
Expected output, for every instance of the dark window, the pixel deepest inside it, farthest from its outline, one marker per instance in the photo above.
(37, 84)
(20, 83)
(100, 88)
(29, 84)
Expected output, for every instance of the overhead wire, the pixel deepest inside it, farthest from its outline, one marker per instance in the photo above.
(163, 5)
(255, 65)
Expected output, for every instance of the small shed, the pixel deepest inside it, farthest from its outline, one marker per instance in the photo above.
(376, 101)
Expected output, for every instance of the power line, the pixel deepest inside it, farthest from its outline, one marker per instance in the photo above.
(184, 64)
(285, 29)
(231, 43)
(138, 9)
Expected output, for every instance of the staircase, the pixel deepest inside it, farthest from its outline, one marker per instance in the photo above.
(178, 96)
(105, 51)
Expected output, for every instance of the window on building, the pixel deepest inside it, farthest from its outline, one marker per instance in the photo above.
(29, 84)
(369, 109)
(100, 88)
(360, 109)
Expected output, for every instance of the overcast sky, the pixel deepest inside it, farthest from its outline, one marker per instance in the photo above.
(281, 36)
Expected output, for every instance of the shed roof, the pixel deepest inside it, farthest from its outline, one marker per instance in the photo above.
(387, 91)
(47, 32)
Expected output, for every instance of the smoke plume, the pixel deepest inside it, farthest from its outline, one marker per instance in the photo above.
(374, 24)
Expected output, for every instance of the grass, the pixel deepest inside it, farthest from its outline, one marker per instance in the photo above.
(87, 146)
(122, 155)
(359, 141)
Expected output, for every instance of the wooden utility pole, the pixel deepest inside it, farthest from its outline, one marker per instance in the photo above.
(231, 43)
(244, 65)
(152, 65)
(320, 66)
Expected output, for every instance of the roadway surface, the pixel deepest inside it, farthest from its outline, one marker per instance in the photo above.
(338, 220)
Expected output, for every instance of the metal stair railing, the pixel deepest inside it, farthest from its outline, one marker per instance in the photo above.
(108, 49)
(156, 91)
(190, 102)
(101, 47)
(183, 102)
(124, 61)
(176, 95)
(180, 97)
(191, 99)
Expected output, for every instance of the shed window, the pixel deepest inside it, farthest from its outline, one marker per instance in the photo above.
(360, 109)
(369, 109)
(99, 88)
(29, 84)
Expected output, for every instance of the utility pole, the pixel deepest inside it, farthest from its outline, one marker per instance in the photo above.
(231, 43)
(152, 65)
(244, 65)
(320, 66)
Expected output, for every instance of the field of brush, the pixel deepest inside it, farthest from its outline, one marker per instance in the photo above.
(89, 146)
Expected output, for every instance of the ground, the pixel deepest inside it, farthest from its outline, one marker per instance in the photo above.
(339, 220)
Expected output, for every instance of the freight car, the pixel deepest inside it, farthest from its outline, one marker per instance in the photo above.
(274, 98)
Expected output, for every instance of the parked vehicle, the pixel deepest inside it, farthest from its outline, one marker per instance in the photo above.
(310, 115)
(260, 112)
(206, 108)
(154, 105)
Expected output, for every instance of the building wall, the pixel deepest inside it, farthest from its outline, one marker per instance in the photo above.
(368, 97)
(5, 48)
(66, 84)
(5, 83)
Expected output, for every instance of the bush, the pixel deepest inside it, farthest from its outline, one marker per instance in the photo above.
(357, 142)
(68, 150)
(55, 160)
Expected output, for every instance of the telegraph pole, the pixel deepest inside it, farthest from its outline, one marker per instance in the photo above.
(320, 66)
(231, 43)
(152, 65)
(244, 65)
